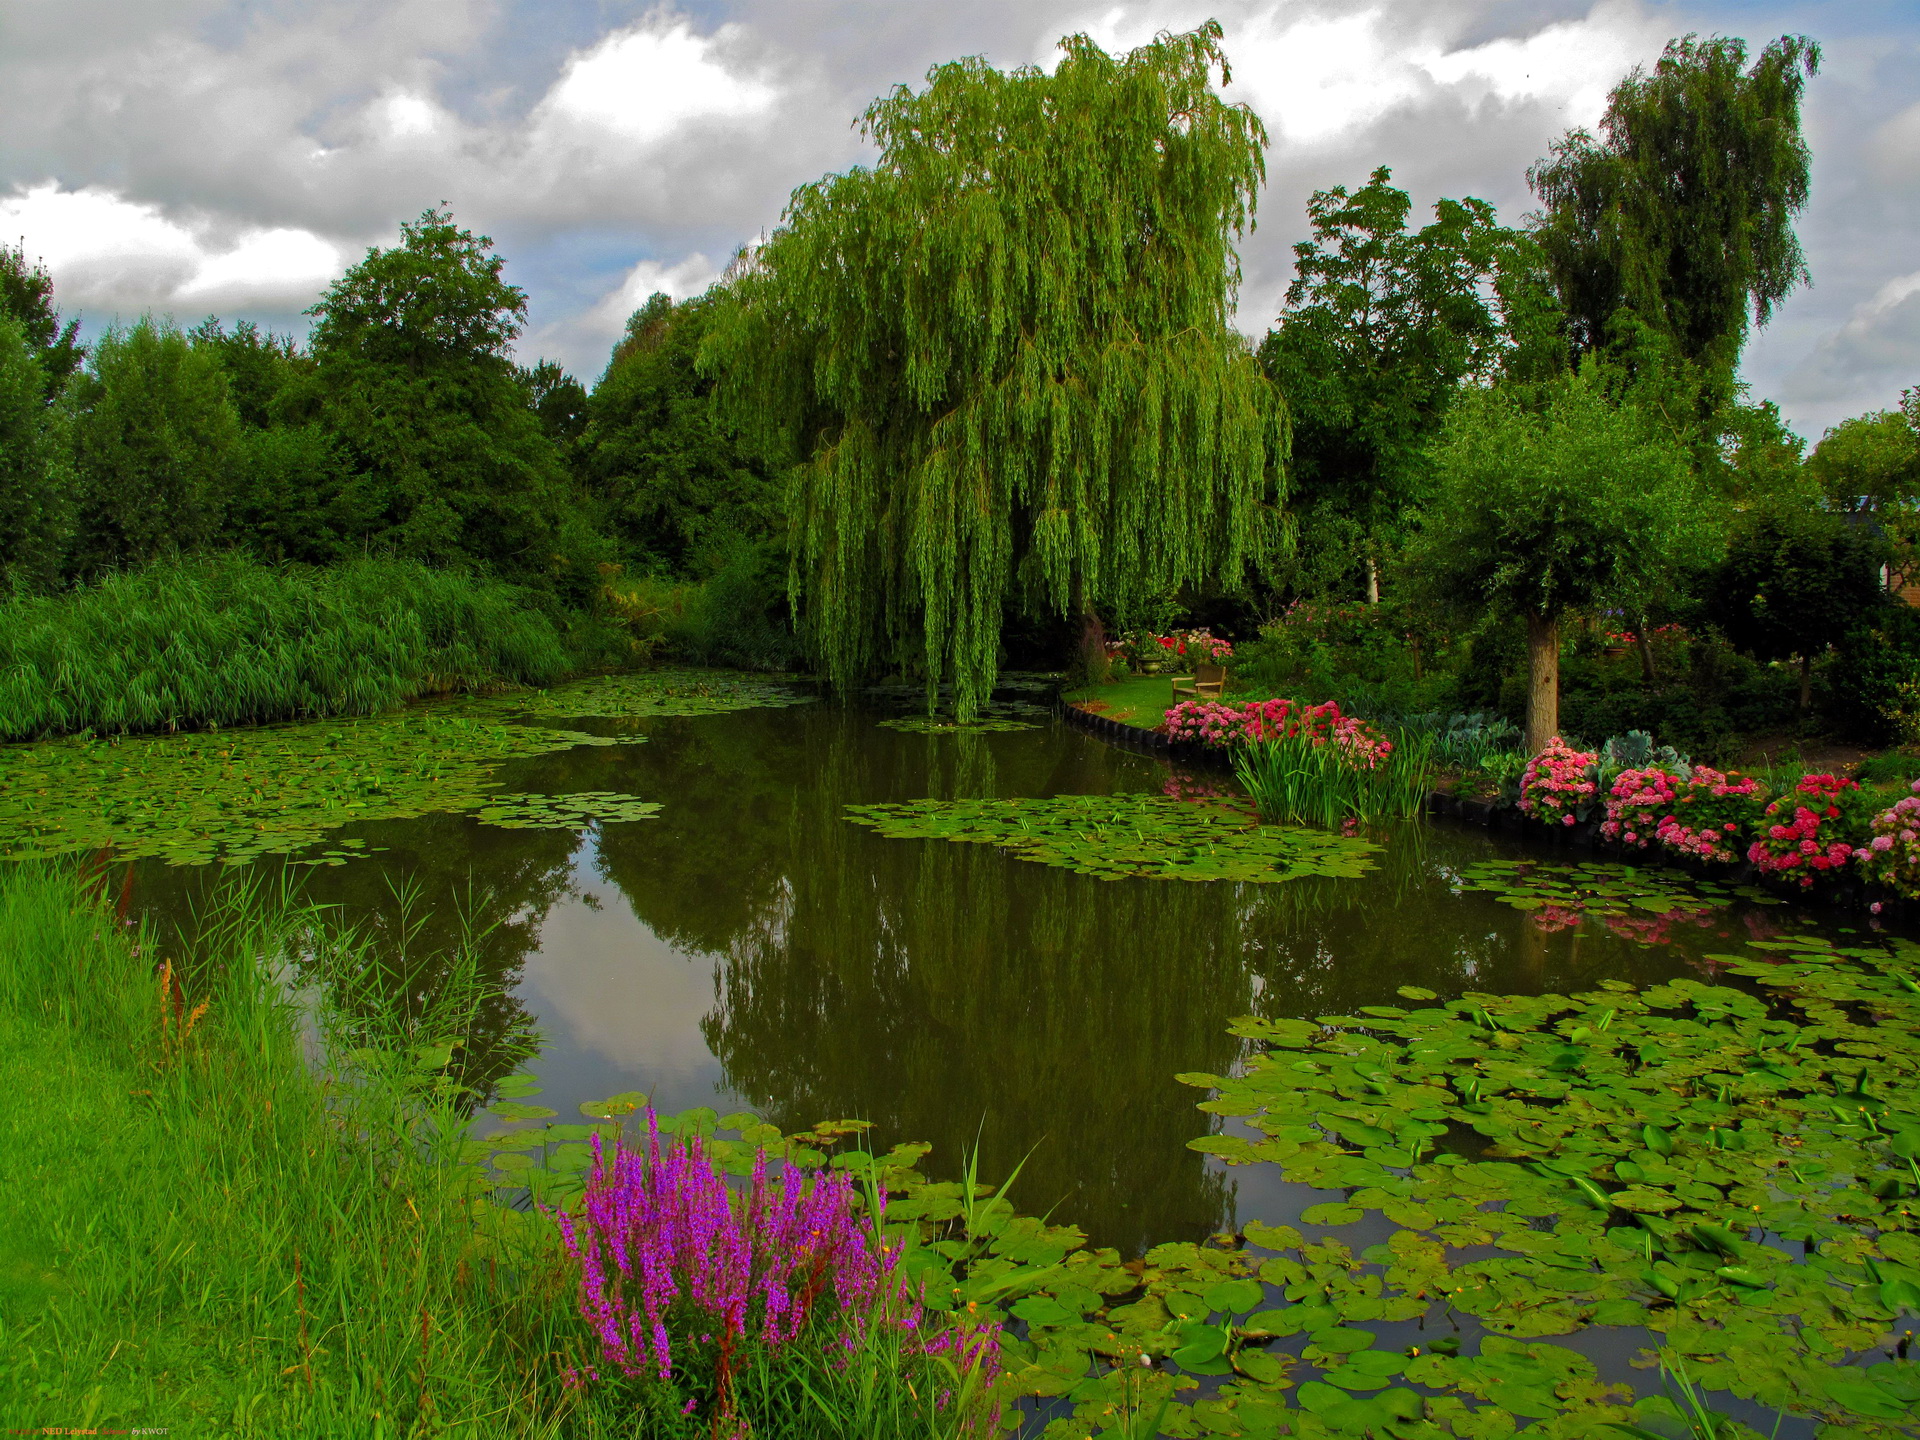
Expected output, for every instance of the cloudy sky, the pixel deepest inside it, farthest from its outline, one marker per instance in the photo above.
(194, 157)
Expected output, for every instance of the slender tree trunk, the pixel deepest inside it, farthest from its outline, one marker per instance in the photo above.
(1806, 685)
(1543, 681)
(1645, 647)
(1373, 579)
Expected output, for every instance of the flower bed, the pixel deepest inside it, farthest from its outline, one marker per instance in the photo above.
(1558, 786)
(1220, 726)
(1892, 855)
(1710, 813)
(1142, 648)
(1806, 833)
(1637, 804)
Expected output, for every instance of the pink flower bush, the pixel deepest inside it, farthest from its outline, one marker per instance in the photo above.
(1142, 646)
(1800, 834)
(1638, 803)
(1558, 783)
(1710, 813)
(1892, 855)
(1218, 725)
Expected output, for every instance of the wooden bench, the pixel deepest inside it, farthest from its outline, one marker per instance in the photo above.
(1209, 682)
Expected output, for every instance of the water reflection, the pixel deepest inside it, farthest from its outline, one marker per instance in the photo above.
(749, 947)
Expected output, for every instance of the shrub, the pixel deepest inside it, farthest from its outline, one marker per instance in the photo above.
(1558, 784)
(1809, 832)
(692, 1286)
(1892, 854)
(1221, 726)
(1638, 802)
(1710, 813)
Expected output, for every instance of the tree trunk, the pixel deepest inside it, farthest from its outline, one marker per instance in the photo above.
(1806, 685)
(1543, 681)
(1373, 579)
(1645, 647)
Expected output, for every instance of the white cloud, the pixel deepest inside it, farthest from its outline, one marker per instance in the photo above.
(107, 252)
(583, 341)
(1869, 358)
(1573, 64)
(642, 83)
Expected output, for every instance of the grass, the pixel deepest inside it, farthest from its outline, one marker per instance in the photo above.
(230, 1213)
(1141, 700)
(221, 640)
(1295, 781)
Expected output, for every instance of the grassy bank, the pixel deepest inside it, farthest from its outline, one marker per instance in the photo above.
(197, 1235)
(221, 640)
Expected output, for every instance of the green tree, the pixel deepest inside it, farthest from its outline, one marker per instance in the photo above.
(260, 367)
(1000, 361)
(1550, 508)
(1796, 578)
(1680, 214)
(1380, 326)
(560, 402)
(155, 437)
(36, 503)
(1871, 465)
(26, 296)
(413, 383)
(673, 485)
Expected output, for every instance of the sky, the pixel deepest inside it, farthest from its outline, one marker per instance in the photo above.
(197, 157)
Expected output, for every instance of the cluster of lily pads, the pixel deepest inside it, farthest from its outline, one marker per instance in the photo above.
(1118, 836)
(653, 694)
(1636, 902)
(1729, 1175)
(235, 795)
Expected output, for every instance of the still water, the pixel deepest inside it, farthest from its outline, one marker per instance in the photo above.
(749, 948)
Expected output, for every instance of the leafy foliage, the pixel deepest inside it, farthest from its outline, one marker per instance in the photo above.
(654, 693)
(36, 501)
(1117, 836)
(1795, 578)
(1681, 213)
(155, 436)
(1001, 359)
(26, 297)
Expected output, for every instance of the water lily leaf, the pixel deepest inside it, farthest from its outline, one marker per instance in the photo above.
(1235, 1296)
(513, 1110)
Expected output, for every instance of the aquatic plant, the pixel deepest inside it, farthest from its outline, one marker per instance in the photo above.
(1118, 836)
(235, 795)
(1807, 832)
(985, 724)
(1220, 726)
(672, 1260)
(1299, 777)
(1892, 855)
(1600, 888)
(654, 693)
(220, 640)
(1558, 785)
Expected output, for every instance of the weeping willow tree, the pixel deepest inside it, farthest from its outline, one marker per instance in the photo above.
(999, 362)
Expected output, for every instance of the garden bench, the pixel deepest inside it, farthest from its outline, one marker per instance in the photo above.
(1209, 682)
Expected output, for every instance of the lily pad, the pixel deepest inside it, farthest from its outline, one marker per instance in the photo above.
(1118, 836)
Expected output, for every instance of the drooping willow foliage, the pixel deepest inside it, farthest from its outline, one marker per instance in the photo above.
(1000, 361)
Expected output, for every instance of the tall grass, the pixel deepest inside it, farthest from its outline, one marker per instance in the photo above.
(222, 640)
(1295, 781)
(236, 1206)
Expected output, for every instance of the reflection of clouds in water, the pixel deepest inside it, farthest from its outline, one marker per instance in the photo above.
(616, 1001)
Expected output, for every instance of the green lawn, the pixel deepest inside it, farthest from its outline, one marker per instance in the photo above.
(1142, 700)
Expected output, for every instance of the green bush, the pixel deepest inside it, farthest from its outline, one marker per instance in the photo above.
(1873, 694)
(221, 640)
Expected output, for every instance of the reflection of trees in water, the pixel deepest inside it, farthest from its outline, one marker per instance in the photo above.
(446, 884)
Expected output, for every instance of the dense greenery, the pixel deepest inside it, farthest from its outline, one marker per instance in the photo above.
(1000, 360)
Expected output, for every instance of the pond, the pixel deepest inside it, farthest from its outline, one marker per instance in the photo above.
(746, 947)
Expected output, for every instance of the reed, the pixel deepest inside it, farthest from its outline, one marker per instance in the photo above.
(221, 640)
(1296, 780)
(237, 1200)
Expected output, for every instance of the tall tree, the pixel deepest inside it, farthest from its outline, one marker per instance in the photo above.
(1871, 465)
(154, 441)
(1381, 323)
(36, 509)
(1680, 213)
(673, 484)
(413, 382)
(1000, 362)
(1548, 508)
(26, 296)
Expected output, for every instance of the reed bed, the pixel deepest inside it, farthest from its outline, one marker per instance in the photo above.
(1298, 780)
(222, 640)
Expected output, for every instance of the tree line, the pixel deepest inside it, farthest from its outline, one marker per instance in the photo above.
(993, 382)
